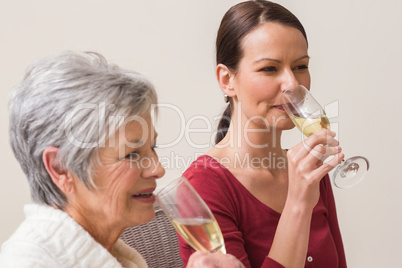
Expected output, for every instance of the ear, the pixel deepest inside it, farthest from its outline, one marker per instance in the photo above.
(60, 177)
(225, 80)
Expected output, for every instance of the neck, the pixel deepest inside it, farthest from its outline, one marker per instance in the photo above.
(254, 142)
(97, 226)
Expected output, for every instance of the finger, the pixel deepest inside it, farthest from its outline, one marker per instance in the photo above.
(318, 156)
(328, 166)
(236, 262)
(195, 258)
(324, 137)
(321, 152)
(214, 260)
(319, 163)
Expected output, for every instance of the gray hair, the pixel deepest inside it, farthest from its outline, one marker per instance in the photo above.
(65, 101)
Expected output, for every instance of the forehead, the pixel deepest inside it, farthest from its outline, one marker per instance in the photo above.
(136, 129)
(273, 38)
(136, 132)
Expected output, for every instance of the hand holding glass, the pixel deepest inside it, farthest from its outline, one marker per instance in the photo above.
(309, 117)
(190, 216)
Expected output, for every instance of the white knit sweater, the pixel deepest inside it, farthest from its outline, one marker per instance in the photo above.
(50, 238)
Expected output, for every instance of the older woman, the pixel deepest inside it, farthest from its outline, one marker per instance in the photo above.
(82, 131)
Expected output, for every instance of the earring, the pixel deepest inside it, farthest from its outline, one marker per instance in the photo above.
(227, 98)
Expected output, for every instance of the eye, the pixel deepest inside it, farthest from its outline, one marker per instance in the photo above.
(133, 156)
(268, 69)
(301, 67)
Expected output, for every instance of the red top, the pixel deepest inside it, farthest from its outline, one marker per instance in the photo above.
(249, 226)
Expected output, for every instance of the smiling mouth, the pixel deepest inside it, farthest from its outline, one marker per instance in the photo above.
(144, 195)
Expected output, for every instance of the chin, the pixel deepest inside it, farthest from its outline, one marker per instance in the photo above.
(150, 215)
(147, 216)
(290, 126)
(285, 124)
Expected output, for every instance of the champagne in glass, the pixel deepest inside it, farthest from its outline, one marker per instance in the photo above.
(309, 117)
(201, 234)
(309, 126)
(191, 217)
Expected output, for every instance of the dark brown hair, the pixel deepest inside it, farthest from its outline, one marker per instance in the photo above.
(238, 21)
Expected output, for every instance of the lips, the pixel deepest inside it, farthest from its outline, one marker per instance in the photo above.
(143, 195)
(280, 107)
(146, 193)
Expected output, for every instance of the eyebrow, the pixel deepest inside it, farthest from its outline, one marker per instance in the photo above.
(132, 143)
(139, 142)
(278, 61)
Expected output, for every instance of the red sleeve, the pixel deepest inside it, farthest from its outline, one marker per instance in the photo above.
(271, 263)
(222, 201)
(333, 222)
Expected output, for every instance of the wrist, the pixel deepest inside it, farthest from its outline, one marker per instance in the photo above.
(297, 208)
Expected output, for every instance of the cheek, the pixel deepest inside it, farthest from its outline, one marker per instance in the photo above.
(121, 176)
(304, 80)
(257, 90)
(263, 87)
(127, 173)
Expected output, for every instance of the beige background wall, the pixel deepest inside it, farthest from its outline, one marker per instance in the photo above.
(356, 65)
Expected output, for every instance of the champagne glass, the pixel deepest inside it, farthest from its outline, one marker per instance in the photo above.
(309, 117)
(190, 216)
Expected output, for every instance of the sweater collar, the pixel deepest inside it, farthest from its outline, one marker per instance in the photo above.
(78, 245)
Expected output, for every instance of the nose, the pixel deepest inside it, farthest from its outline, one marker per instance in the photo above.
(154, 169)
(288, 80)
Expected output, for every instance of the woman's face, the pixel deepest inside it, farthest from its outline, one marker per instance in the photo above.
(274, 58)
(125, 177)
